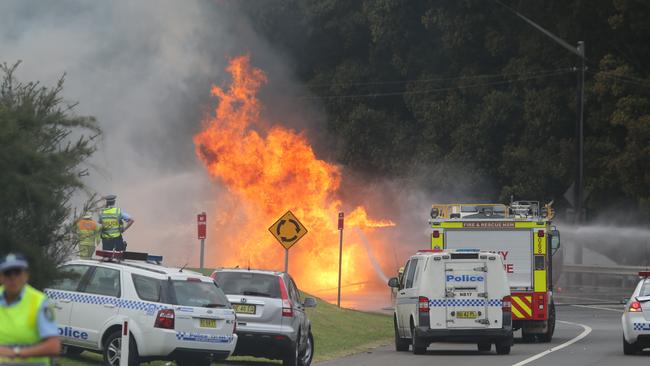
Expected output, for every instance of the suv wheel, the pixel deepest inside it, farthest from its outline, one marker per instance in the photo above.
(113, 349)
(401, 344)
(292, 356)
(308, 353)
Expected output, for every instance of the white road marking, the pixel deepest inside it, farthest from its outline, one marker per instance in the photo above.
(585, 332)
(599, 308)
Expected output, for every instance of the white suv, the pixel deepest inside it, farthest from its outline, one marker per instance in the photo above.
(174, 314)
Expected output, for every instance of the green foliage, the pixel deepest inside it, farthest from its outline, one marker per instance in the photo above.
(431, 85)
(42, 147)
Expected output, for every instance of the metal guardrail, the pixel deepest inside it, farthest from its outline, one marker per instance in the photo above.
(612, 271)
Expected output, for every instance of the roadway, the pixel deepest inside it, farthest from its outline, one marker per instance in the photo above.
(585, 335)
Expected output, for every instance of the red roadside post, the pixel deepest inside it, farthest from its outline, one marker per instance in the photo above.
(201, 225)
(341, 219)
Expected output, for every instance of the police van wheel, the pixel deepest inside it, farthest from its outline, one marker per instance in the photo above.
(113, 348)
(503, 347)
(401, 344)
(485, 347)
(417, 348)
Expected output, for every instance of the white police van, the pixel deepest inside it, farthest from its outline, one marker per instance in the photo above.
(453, 296)
(174, 314)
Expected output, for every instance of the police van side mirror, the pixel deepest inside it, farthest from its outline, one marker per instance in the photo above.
(393, 282)
(555, 240)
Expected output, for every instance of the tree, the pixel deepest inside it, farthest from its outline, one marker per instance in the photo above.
(42, 147)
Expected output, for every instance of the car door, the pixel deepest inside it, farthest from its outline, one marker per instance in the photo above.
(97, 304)
(410, 296)
(300, 312)
(401, 298)
(61, 295)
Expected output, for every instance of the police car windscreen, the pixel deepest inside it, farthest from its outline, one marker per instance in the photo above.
(199, 294)
(249, 284)
(514, 246)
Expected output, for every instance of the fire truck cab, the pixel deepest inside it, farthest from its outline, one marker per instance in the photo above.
(523, 234)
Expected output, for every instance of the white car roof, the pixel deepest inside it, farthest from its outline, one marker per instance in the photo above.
(143, 268)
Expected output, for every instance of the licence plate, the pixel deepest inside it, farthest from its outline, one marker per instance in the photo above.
(208, 323)
(244, 309)
(466, 314)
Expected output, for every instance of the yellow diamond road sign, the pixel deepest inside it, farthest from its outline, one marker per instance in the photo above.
(288, 230)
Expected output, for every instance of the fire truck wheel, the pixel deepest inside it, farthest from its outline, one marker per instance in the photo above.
(527, 337)
(484, 347)
(546, 337)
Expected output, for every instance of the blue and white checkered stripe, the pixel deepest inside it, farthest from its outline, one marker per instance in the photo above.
(197, 337)
(463, 302)
(642, 326)
(148, 307)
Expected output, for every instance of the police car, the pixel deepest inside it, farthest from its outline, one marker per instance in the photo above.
(453, 296)
(636, 318)
(174, 314)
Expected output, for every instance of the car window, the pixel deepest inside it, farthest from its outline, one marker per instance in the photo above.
(645, 290)
(294, 290)
(71, 276)
(411, 273)
(402, 282)
(105, 281)
(250, 284)
(147, 288)
(199, 294)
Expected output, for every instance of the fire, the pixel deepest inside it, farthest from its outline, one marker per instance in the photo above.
(267, 170)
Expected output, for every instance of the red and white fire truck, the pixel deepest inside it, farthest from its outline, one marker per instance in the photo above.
(523, 234)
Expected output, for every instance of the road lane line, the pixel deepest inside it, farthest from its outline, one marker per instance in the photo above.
(585, 332)
(598, 308)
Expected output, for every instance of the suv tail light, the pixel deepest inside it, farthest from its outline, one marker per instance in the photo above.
(234, 326)
(423, 304)
(635, 307)
(165, 319)
(506, 304)
(214, 275)
(287, 305)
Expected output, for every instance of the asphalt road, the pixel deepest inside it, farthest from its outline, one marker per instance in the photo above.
(585, 336)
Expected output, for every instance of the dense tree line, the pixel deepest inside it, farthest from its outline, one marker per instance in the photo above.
(464, 88)
(43, 144)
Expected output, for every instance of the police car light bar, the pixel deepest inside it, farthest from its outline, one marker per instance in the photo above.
(467, 250)
(136, 256)
(108, 254)
(644, 274)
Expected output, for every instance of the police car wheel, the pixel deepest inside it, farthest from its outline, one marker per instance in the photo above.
(629, 348)
(113, 349)
(503, 347)
(401, 344)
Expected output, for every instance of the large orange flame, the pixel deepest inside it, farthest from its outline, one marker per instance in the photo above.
(269, 169)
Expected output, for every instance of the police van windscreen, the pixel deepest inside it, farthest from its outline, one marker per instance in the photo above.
(249, 284)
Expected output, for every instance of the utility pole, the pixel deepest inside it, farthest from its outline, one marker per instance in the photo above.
(341, 218)
(580, 97)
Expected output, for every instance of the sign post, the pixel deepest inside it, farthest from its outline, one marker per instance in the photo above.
(201, 228)
(124, 345)
(287, 231)
(341, 219)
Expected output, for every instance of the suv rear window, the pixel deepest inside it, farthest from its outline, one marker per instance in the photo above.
(249, 284)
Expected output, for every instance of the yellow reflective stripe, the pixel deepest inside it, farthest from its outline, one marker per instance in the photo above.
(540, 281)
(516, 313)
(523, 305)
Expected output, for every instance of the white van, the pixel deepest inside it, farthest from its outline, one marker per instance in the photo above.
(457, 295)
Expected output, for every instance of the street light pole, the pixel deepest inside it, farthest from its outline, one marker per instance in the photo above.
(580, 97)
